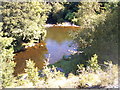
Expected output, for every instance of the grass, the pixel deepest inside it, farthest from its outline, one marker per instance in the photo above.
(70, 65)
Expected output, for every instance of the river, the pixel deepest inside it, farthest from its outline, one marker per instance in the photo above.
(56, 44)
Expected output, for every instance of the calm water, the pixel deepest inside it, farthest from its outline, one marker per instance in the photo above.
(57, 44)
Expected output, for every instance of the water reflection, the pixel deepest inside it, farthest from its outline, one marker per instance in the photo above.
(57, 50)
(35, 53)
(59, 34)
(58, 42)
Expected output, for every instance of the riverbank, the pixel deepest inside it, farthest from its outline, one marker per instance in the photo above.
(86, 77)
(69, 77)
(101, 78)
(64, 24)
(55, 28)
(69, 65)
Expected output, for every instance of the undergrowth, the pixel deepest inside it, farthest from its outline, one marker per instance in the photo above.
(50, 77)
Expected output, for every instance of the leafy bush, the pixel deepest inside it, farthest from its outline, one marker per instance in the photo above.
(37, 79)
(93, 63)
(94, 25)
(24, 20)
(88, 76)
(99, 29)
(94, 75)
(110, 74)
(32, 72)
(88, 19)
(6, 62)
(62, 12)
(51, 73)
(57, 13)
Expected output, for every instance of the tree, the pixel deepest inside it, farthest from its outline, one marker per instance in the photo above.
(25, 21)
(57, 13)
(62, 12)
(99, 29)
(88, 19)
(6, 61)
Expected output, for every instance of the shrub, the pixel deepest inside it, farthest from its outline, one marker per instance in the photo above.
(94, 75)
(93, 63)
(6, 62)
(99, 29)
(57, 13)
(32, 72)
(51, 73)
(96, 23)
(110, 75)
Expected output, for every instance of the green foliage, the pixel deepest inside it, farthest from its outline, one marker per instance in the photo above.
(62, 12)
(88, 19)
(70, 9)
(99, 29)
(70, 66)
(69, 16)
(110, 75)
(25, 20)
(105, 43)
(32, 72)
(88, 80)
(51, 73)
(91, 66)
(57, 13)
(86, 10)
(6, 62)
(92, 22)
(93, 63)
(93, 74)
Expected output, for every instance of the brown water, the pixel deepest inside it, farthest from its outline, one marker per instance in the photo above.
(57, 44)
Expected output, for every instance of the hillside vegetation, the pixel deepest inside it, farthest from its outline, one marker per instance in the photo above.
(22, 24)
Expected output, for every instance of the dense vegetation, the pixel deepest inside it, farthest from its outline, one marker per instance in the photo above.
(62, 12)
(24, 21)
(6, 60)
(99, 28)
(23, 24)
